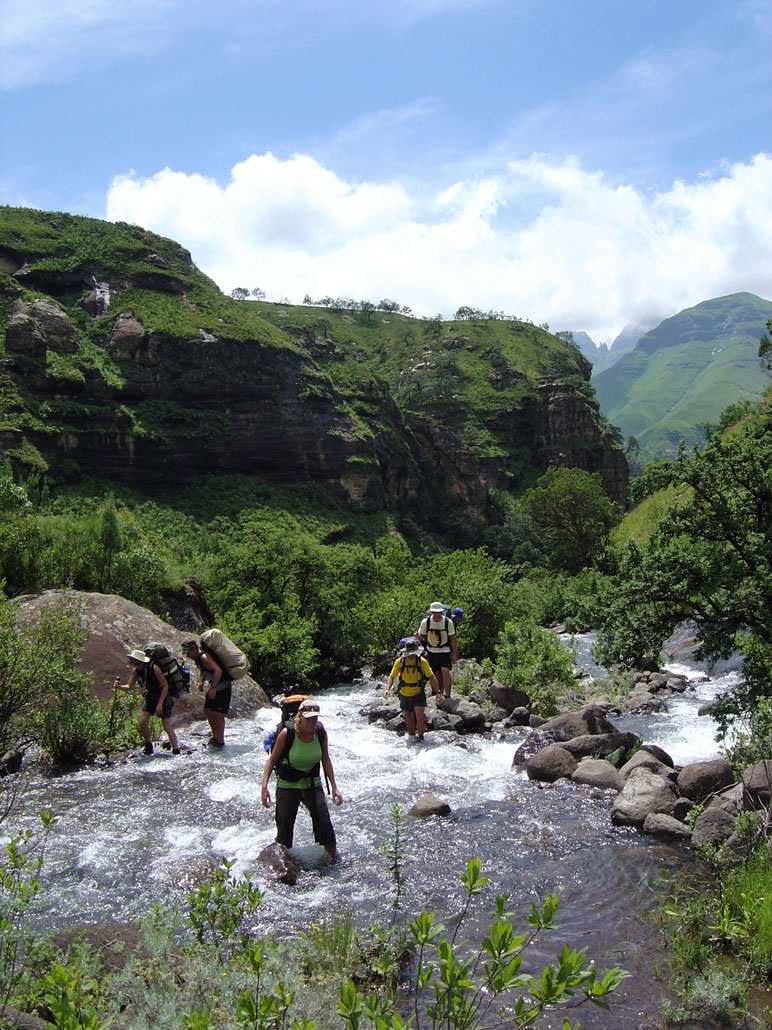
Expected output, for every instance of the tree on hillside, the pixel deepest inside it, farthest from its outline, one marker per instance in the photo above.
(571, 517)
(240, 293)
(258, 294)
(765, 347)
(709, 560)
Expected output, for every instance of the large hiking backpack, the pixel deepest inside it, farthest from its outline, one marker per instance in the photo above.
(230, 658)
(289, 705)
(437, 639)
(404, 662)
(177, 675)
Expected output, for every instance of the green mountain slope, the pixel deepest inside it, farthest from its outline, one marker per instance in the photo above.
(686, 372)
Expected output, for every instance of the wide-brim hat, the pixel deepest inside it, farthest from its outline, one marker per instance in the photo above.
(436, 606)
(138, 656)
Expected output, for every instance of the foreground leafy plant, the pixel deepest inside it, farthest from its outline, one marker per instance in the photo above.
(19, 886)
(471, 993)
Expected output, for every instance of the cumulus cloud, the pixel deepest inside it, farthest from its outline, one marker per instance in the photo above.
(537, 239)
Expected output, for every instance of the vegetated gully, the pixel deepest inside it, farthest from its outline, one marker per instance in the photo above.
(148, 829)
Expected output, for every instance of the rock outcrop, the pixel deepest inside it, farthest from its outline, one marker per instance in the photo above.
(186, 378)
(115, 627)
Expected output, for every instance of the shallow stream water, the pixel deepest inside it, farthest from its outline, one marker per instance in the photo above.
(145, 830)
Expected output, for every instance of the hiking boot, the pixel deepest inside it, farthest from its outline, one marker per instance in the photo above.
(175, 750)
(148, 748)
(216, 743)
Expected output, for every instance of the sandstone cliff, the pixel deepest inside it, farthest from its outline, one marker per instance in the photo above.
(123, 361)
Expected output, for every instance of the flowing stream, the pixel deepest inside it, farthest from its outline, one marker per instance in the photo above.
(147, 829)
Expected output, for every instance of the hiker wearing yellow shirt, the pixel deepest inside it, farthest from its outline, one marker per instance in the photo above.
(411, 672)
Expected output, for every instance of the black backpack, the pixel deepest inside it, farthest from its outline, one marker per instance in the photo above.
(283, 769)
(176, 676)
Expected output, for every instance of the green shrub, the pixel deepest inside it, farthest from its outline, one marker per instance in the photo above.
(533, 659)
(69, 727)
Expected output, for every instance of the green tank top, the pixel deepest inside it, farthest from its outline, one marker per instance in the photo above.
(303, 757)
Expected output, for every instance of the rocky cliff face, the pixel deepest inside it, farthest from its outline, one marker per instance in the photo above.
(123, 361)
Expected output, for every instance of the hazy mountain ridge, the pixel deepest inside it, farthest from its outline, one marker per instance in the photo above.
(686, 371)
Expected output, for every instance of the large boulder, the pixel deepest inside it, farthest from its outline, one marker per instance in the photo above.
(590, 719)
(59, 332)
(731, 800)
(658, 752)
(597, 772)
(471, 714)
(599, 745)
(713, 826)
(24, 337)
(666, 827)
(279, 863)
(508, 698)
(701, 779)
(116, 626)
(551, 763)
(644, 792)
(646, 760)
(757, 785)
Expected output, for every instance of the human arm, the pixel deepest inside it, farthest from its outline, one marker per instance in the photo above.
(211, 666)
(271, 762)
(392, 676)
(337, 797)
(426, 669)
(117, 685)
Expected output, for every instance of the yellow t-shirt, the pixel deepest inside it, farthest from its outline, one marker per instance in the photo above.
(411, 674)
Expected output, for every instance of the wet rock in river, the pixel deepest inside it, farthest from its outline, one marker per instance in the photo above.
(646, 760)
(597, 772)
(644, 792)
(277, 860)
(429, 805)
(666, 827)
(701, 779)
(551, 763)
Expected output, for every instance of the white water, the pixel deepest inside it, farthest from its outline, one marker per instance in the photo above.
(149, 829)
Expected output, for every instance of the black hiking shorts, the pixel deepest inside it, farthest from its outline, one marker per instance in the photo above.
(409, 704)
(221, 701)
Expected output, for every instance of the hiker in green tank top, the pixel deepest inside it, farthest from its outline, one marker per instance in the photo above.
(297, 755)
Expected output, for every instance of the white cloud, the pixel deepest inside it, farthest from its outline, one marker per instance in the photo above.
(541, 240)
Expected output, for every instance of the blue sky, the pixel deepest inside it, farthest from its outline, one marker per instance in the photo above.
(582, 162)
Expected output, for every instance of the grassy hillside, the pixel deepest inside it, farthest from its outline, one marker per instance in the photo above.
(686, 372)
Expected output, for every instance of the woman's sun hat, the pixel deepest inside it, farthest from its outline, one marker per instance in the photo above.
(309, 709)
(138, 656)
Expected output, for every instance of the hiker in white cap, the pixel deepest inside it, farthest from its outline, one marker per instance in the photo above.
(158, 701)
(297, 755)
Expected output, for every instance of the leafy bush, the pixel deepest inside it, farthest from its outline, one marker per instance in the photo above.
(71, 726)
(533, 659)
